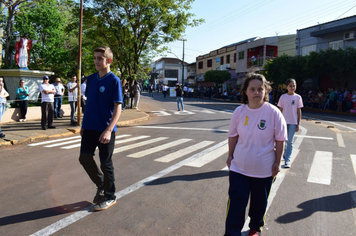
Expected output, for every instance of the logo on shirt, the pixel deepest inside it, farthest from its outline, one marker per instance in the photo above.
(102, 89)
(246, 121)
(262, 125)
(293, 102)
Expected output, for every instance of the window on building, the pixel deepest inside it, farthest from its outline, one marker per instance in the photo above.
(200, 65)
(171, 73)
(210, 63)
(227, 59)
(222, 60)
(307, 49)
(336, 44)
(270, 52)
(241, 55)
(234, 57)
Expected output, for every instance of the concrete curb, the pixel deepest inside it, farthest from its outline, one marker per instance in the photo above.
(71, 131)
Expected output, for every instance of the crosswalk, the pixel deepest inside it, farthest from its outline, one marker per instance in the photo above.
(168, 149)
(191, 112)
(145, 145)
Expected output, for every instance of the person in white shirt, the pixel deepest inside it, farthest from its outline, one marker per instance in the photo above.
(290, 105)
(47, 95)
(3, 95)
(164, 90)
(185, 90)
(256, 139)
(83, 88)
(58, 98)
(73, 98)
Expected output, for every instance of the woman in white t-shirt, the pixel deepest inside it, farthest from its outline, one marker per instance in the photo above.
(256, 139)
(290, 105)
(3, 95)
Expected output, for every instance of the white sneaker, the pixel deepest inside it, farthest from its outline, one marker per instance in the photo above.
(105, 204)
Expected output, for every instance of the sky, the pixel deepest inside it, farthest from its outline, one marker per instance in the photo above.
(231, 21)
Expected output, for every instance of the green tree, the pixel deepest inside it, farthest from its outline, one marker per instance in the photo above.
(338, 65)
(7, 23)
(46, 22)
(132, 29)
(284, 67)
(217, 76)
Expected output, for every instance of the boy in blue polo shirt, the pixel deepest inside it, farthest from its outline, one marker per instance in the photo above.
(102, 111)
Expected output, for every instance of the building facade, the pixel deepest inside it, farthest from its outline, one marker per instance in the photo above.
(169, 71)
(253, 54)
(335, 34)
(220, 59)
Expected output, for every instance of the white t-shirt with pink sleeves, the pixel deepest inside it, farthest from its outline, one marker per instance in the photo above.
(257, 129)
(290, 105)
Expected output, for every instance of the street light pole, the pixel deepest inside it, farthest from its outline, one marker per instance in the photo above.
(79, 115)
(183, 63)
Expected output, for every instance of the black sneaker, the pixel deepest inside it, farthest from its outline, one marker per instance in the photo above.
(44, 127)
(2, 135)
(99, 196)
(104, 204)
(51, 127)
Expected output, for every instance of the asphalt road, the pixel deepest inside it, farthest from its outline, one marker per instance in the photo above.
(171, 179)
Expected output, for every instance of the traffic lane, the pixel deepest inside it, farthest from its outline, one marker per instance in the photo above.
(188, 201)
(32, 192)
(64, 183)
(304, 207)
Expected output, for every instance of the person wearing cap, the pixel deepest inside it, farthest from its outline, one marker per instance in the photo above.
(3, 95)
(58, 98)
(47, 95)
(73, 98)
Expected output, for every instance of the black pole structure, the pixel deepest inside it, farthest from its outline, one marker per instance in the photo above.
(79, 82)
(183, 63)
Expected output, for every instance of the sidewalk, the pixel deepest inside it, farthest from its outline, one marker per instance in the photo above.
(29, 131)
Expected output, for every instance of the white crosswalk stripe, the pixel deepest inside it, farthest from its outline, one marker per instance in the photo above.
(159, 148)
(78, 145)
(175, 155)
(131, 139)
(53, 141)
(209, 157)
(353, 160)
(320, 171)
(140, 144)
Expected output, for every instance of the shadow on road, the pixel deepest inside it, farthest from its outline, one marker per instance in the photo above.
(45, 213)
(334, 203)
(194, 177)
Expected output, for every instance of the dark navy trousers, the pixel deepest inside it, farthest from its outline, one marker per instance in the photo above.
(240, 190)
(105, 178)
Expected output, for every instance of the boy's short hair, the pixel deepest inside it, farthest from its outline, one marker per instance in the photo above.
(105, 50)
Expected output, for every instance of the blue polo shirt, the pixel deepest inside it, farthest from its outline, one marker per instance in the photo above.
(101, 95)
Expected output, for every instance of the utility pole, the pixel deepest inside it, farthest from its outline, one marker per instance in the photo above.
(79, 115)
(183, 63)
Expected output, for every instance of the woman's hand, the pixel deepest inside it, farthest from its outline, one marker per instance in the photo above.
(276, 168)
(228, 161)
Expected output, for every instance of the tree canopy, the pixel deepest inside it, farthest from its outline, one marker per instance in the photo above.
(134, 30)
(217, 76)
(338, 65)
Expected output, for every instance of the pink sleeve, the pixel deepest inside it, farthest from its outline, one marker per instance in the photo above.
(280, 127)
(233, 125)
(300, 103)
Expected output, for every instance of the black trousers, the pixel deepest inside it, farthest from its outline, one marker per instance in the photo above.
(241, 189)
(47, 113)
(103, 177)
(23, 108)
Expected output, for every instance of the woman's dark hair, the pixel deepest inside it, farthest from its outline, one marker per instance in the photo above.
(265, 84)
(288, 81)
